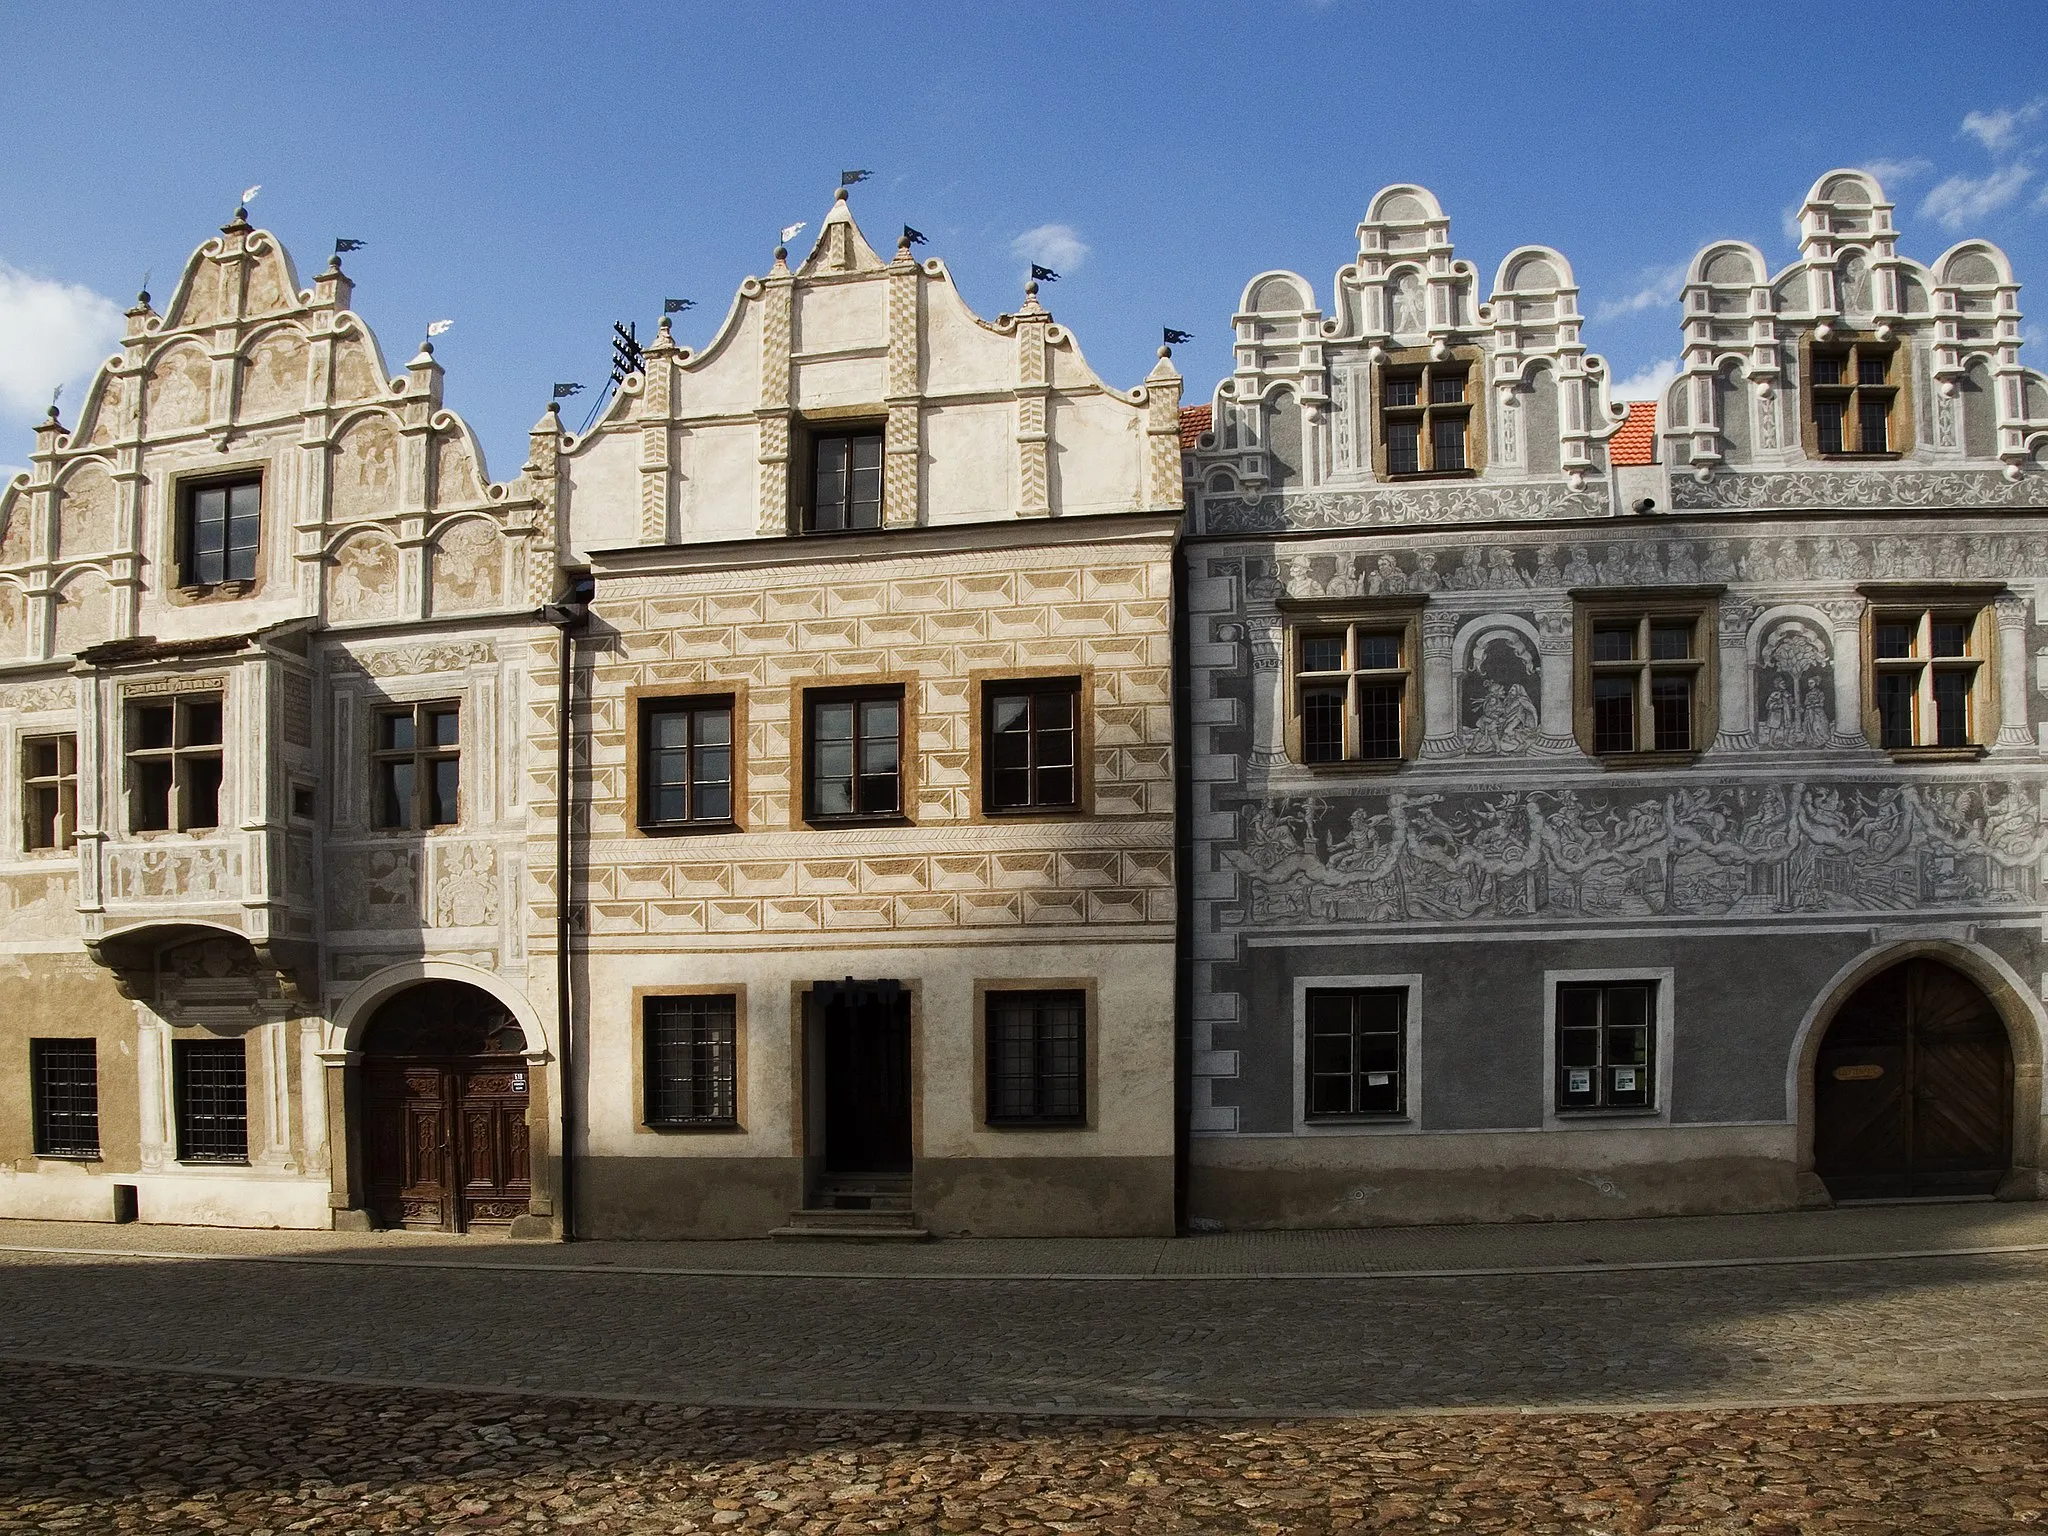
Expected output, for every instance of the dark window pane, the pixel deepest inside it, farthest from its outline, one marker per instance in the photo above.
(1951, 637)
(1378, 652)
(243, 524)
(1871, 370)
(202, 722)
(42, 757)
(1322, 724)
(1447, 443)
(1355, 1051)
(153, 726)
(828, 512)
(1895, 708)
(1614, 714)
(211, 1090)
(1578, 1007)
(864, 496)
(152, 796)
(1322, 653)
(1873, 424)
(691, 1060)
(1036, 1057)
(1670, 642)
(1893, 638)
(1614, 642)
(1447, 388)
(1827, 424)
(1671, 710)
(398, 732)
(444, 793)
(1404, 390)
(202, 792)
(1379, 720)
(394, 799)
(445, 727)
(1404, 447)
(66, 1095)
(1827, 370)
(1951, 709)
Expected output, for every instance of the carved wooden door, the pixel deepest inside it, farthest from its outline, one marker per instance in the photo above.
(1913, 1089)
(494, 1170)
(408, 1162)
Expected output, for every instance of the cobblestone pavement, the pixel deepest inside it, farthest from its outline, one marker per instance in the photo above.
(1913, 1328)
(91, 1450)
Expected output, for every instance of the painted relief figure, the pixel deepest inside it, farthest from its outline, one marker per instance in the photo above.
(1500, 704)
(1794, 687)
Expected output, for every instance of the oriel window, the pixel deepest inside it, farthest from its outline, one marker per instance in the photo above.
(174, 764)
(1357, 1051)
(220, 528)
(1606, 1045)
(855, 756)
(1352, 684)
(1644, 675)
(1926, 669)
(1029, 745)
(1425, 418)
(418, 766)
(49, 791)
(690, 1068)
(210, 1084)
(65, 1081)
(686, 763)
(1853, 393)
(1037, 1056)
(846, 482)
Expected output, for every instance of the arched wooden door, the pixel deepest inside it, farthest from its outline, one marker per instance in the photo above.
(1912, 1090)
(444, 1111)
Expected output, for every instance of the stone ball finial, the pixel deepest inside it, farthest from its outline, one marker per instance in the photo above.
(839, 196)
(426, 349)
(1031, 290)
(1166, 351)
(782, 253)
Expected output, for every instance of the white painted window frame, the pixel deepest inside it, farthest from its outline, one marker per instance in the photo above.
(1659, 1112)
(1409, 1121)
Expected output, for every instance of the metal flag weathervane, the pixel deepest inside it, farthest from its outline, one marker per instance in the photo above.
(438, 326)
(1175, 338)
(790, 232)
(912, 236)
(341, 246)
(677, 306)
(564, 391)
(1043, 274)
(853, 178)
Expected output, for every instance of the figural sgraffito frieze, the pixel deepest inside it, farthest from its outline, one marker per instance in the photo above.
(1396, 856)
(1395, 507)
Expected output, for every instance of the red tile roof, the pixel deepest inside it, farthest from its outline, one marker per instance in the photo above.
(1194, 421)
(1634, 443)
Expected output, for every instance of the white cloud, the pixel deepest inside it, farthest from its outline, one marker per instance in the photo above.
(51, 333)
(1960, 199)
(1058, 246)
(1788, 221)
(1647, 383)
(1660, 285)
(1997, 129)
(1898, 170)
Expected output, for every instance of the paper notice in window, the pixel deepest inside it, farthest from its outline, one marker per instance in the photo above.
(1378, 1079)
(1578, 1080)
(1624, 1079)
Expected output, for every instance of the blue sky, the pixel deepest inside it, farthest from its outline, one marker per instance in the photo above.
(536, 172)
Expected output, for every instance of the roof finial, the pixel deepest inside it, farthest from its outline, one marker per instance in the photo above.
(839, 196)
(1031, 291)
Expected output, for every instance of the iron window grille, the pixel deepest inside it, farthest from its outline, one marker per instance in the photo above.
(690, 1069)
(1037, 1054)
(1852, 393)
(175, 764)
(854, 755)
(210, 1080)
(66, 1087)
(1425, 418)
(221, 527)
(418, 765)
(1030, 744)
(846, 482)
(1357, 1052)
(1926, 667)
(1644, 680)
(49, 791)
(1606, 1045)
(686, 762)
(1351, 692)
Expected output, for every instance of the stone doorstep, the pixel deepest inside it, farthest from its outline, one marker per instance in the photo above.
(849, 1223)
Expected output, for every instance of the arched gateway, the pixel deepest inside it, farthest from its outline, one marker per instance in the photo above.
(444, 1110)
(1913, 1088)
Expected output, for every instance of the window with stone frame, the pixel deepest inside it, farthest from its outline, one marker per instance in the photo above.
(1030, 745)
(1930, 678)
(1645, 675)
(210, 1092)
(220, 524)
(1036, 1054)
(1852, 395)
(1355, 683)
(174, 763)
(690, 1064)
(843, 489)
(686, 763)
(1606, 1045)
(49, 792)
(417, 765)
(64, 1083)
(853, 753)
(1425, 418)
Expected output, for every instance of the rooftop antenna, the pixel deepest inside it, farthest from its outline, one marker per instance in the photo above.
(627, 358)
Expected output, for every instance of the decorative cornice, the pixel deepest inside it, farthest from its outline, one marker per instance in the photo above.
(1944, 490)
(1388, 507)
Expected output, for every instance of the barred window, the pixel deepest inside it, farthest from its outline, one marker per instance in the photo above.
(691, 1065)
(210, 1081)
(1037, 1058)
(1606, 1045)
(1357, 1051)
(65, 1080)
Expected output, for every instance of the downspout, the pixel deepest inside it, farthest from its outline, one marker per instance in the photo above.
(568, 618)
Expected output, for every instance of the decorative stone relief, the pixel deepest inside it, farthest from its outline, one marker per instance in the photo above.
(456, 480)
(378, 888)
(1400, 507)
(1502, 683)
(1794, 687)
(148, 872)
(180, 390)
(36, 696)
(1394, 856)
(356, 376)
(469, 568)
(14, 539)
(466, 887)
(88, 517)
(85, 612)
(366, 470)
(39, 905)
(274, 376)
(365, 584)
(1943, 489)
(404, 661)
(14, 621)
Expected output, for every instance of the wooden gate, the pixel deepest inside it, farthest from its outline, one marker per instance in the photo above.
(445, 1111)
(1913, 1089)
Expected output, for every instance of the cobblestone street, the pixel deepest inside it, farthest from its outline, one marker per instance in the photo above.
(382, 1386)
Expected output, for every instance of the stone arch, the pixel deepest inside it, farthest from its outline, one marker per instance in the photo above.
(348, 1021)
(1276, 293)
(14, 524)
(365, 468)
(1403, 203)
(467, 566)
(1728, 265)
(2026, 1028)
(365, 583)
(1974, 266)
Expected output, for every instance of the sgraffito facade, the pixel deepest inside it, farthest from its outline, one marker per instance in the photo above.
(1562, 814)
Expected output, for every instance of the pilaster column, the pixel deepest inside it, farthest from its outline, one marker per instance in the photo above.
(313, 1119)
(1269, 724)
(1735, 680)
(1554, 709)
(153, 1089)
(1845, 618)
(1439, 686)
(2012, 671)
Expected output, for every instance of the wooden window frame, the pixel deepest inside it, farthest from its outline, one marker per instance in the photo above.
(646, 789)
(1398, 1073)
(190, 576)
(725, 1083)
(48, 1140)
(183, 1053)
(1851, 349)
(58, 788)
(814, 433)
(809, 701)
(994, 689)
(187, 760)
(1921, 606)
(1603, 1075)
(1648, 607)
(1035, 998)
(1418, 363)
(423, 756)
(1400, 616)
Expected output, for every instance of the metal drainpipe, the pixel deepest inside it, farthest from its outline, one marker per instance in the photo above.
(568, 618)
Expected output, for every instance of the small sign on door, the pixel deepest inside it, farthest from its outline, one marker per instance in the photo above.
(519, 1082)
